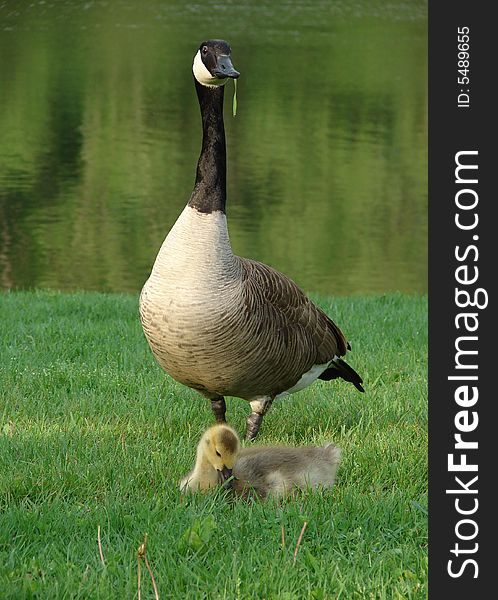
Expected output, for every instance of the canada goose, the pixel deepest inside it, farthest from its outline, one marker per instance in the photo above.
(222, 324)
(270, 470)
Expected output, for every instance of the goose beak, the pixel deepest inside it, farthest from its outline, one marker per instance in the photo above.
(224, 68)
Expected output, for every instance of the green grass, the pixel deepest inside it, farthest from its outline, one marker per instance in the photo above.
(92, 433)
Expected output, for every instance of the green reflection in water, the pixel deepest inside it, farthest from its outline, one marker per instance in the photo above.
(100, 133)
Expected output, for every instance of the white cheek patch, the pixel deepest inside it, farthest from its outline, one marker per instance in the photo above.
(202, 75)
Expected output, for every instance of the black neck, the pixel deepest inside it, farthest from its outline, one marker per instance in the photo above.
(210, 184)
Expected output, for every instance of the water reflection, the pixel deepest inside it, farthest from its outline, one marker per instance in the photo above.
(100, 133)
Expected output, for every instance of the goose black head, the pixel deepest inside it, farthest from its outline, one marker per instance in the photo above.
(212, 63)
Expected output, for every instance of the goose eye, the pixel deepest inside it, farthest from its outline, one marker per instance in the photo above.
(218, 454)
(204, 49)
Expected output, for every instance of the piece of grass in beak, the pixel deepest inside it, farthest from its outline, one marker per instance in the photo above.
(234, 103)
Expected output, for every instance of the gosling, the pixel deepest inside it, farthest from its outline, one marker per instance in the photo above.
(264, 471)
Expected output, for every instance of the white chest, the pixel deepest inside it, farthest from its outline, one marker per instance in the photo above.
(196, 256)
(193, 284)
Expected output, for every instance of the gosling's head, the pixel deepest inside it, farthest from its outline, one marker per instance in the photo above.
(213, 64)
(220, 446)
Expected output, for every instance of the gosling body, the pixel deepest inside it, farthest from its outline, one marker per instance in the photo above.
(278, 470)
(264, 471)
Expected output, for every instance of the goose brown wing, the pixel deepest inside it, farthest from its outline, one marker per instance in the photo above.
(290, 318)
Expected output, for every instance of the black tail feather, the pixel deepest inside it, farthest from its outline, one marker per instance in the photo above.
(340, 368)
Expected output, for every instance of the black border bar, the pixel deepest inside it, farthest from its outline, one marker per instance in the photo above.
(463, 266)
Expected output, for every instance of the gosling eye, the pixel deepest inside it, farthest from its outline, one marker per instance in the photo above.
(204, 49)
(218, 454)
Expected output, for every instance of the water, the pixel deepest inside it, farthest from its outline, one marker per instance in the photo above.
(100, 134)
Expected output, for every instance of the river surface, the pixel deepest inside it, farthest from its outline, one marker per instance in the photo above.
(100, 134)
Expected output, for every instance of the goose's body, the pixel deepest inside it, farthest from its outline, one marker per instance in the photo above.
(228, 326)
(222, 324)
(264, 470)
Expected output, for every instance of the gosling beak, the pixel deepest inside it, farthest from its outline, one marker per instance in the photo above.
(224, 67)
(225, 477)
(226, 473)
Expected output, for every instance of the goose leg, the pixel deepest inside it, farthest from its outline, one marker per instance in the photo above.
(259, 408)
(219, 408)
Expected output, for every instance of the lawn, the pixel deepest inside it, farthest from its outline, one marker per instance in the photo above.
(94, 434)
